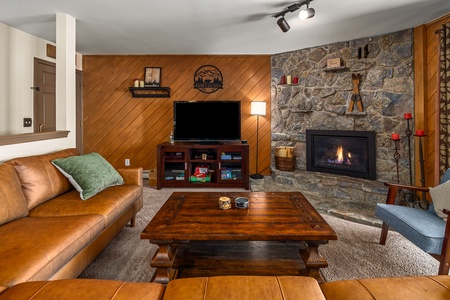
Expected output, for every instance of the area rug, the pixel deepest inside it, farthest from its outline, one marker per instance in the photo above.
(356, 253)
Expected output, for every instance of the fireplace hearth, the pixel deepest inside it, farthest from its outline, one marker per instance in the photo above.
(350, 153)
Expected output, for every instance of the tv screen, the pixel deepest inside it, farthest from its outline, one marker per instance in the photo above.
(213, 121)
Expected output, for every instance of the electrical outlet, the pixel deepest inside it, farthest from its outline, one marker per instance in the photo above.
(27, 122)
(127, 162)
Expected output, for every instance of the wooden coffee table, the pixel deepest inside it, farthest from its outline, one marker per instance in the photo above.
(278, 235)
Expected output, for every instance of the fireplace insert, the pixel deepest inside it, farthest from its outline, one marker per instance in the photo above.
(350, 153)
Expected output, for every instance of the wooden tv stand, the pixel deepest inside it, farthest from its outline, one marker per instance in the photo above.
(185, 164)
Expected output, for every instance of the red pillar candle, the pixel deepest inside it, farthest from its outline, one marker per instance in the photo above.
(407, 116)
(395, 137)
(420, 132)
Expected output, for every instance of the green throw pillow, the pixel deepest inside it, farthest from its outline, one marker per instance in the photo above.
(89, 173)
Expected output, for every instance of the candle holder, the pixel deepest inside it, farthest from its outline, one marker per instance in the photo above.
(408, 133)
(397, 156)
(421, 161)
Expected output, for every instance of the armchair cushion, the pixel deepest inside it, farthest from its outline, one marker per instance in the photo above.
(421, 227)
(441, 198)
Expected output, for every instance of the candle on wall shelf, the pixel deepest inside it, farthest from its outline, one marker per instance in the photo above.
(289, 79)
(407, 116)
(395, 137)
(296, 80)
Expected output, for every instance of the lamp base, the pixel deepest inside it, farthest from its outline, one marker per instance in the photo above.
(256, 176)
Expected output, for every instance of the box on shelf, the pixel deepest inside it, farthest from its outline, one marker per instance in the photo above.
(225, 156)
(333, 62)
(225, 174)
(194, 178)
(199, 170)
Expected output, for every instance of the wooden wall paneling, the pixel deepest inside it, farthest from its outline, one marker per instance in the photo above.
(259, 93)
(119, 126)
(114, 104)
(95, 84)
(420, 58)
(426, 81)
(112, 78)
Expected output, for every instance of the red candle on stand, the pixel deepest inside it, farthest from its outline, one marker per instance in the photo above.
(407, 116)
(420, 132)
(395, 137)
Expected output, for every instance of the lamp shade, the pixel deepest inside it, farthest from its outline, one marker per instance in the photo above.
(258, 108)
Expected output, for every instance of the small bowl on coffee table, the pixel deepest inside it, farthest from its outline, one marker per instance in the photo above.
(241, 202)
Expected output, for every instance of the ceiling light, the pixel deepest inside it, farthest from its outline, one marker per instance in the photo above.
(306, 13)
(303, 15)
(283, 24)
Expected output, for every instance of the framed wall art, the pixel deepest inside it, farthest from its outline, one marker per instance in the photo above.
(152, 77)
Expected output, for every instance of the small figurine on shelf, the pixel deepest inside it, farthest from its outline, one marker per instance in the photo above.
(171, 139)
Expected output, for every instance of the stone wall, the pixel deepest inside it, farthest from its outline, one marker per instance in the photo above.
(322, 97)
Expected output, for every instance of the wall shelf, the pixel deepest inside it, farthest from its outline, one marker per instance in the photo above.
(340, 68)
(150, 92)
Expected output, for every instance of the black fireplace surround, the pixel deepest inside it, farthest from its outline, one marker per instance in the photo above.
(350, 153)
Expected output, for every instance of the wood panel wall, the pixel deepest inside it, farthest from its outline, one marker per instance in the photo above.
(118, 126)
(426, 68)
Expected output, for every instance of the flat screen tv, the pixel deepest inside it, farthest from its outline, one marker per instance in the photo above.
(207, 121)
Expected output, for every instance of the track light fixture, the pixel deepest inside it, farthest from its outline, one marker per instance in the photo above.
(284, 26)
(303, 15)
(306, 13)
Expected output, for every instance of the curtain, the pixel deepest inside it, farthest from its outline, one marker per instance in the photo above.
(444, 98)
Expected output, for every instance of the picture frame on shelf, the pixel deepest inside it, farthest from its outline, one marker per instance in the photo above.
(152, 77)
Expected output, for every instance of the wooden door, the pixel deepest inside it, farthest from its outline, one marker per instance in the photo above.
(44, 96)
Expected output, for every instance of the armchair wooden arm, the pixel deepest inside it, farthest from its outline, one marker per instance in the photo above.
(394, 188)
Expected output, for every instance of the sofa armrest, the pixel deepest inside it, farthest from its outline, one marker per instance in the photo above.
(394, 188)
(132, 175)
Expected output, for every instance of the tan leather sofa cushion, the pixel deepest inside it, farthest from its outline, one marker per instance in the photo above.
(244, 287)
(34, 248)
(84, 289)
(12, 201)
(110, 203)
(411, 288)
(41, 180)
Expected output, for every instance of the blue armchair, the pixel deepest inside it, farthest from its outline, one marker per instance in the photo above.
(422, 227)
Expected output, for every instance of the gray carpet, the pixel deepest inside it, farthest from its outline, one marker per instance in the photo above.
(356, 253)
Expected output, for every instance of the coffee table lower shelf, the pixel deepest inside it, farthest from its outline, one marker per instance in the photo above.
(261, 258)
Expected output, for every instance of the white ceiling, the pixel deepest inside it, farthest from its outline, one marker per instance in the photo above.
(215, 27)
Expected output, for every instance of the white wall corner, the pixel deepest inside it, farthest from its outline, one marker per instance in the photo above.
(65, 74)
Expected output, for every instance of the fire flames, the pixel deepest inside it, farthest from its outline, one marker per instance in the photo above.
(342, 157)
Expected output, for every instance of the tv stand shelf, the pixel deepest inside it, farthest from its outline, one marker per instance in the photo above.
(203, 165)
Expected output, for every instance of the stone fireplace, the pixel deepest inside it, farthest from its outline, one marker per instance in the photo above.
(350, 153)
(322, 100)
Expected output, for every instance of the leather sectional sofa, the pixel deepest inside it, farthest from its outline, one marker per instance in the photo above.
(236, 287)
(46, 231)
